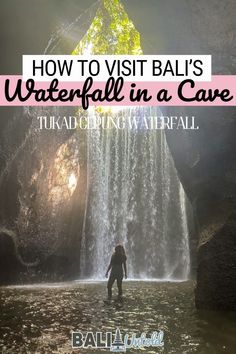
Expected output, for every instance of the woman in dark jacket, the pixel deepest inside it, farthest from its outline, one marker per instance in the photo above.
(117, 267)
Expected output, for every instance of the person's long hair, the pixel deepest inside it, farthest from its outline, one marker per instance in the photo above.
(120, 251)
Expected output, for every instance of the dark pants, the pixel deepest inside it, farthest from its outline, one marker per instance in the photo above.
(112, 278)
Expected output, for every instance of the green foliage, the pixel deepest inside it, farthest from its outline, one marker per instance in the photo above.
(111, 32)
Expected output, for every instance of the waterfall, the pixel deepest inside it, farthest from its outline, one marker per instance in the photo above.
(134, 197)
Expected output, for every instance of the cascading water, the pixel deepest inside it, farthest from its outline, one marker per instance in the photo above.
(134, 197)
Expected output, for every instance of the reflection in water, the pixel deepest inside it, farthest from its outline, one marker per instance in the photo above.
(48, 314)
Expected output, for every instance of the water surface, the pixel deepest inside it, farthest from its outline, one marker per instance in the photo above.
(39, 319)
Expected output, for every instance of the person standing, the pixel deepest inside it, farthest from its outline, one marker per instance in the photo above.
(117, 269)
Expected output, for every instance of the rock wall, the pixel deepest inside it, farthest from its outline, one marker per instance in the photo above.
(206, 164)
(42, 189)
(44, 230)
(205, 159)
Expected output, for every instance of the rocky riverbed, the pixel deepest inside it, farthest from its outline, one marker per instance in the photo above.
(39, 319)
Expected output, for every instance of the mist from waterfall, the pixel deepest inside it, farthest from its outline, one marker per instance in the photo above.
(134, 197)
